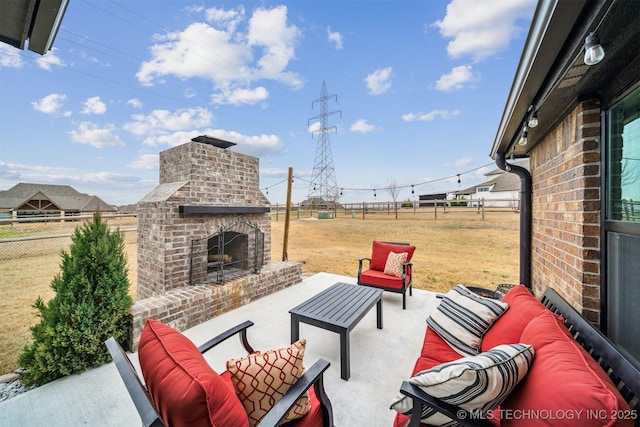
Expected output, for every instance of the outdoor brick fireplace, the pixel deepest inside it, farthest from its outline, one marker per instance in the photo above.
(204, 238)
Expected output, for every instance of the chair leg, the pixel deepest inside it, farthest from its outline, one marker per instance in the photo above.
(404, 300)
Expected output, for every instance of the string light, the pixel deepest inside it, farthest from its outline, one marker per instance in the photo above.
(375, 191)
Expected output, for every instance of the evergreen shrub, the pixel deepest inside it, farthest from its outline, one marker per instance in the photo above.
(92, 303)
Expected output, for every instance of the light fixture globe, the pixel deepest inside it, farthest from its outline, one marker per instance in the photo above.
(593, 51)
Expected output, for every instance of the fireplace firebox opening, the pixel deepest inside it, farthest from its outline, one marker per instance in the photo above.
(234, 251)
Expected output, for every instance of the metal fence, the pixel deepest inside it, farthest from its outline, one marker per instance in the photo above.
(30, 237)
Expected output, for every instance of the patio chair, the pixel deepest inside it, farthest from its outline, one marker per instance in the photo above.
(389, 269)
(198, 391)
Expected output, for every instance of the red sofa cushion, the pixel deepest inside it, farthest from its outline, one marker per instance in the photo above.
(523, 307)
(563, 381)
(380, 253)
(186, 390)
(378, 278)
(435, 351)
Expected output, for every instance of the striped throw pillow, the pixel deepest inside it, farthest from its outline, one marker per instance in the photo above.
(463, 317)
(475, 383)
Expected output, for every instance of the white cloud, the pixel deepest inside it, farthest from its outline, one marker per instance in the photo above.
(50, 104)
(430, 116)
(94, 106)
(314, 127)
(228, 19)
(463, 161)
(456, 79)
(47, 60)
(135, 103)
(335, 38)
(161, 122)
(254, 145)
(231, 52)
(96, 136)
(378, 81)
(479, 29)
(145, 162)
(10, 57)
(241, 96)
(361, 126)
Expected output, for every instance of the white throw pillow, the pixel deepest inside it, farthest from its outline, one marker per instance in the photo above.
(475, 383)
(463, 317)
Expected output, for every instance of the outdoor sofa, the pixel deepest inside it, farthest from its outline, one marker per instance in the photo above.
(536, 363)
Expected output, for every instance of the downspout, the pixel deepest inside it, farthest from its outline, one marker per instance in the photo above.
(525, 216)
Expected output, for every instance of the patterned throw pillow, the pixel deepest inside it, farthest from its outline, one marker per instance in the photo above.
(262, 378)
(393, 267)
(475, 383)
(463, 317)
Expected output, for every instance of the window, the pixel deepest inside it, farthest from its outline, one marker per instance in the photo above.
(623, 177)
(483, 189)
(622, 223)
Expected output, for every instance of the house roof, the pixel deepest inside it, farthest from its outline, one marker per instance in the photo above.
(64, 197)
(500, 180)
(551, 75)
(35, 20)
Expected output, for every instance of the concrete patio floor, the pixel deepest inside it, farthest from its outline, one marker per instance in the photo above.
(380, 361)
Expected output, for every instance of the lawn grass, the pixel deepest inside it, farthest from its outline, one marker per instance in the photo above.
(458, 247)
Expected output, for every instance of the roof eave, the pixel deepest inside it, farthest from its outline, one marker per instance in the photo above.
(552, 24)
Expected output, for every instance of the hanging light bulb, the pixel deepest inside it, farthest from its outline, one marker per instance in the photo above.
(533, 119)
(593, 51)
(523, 138)
(374, 192)
(458, 178)
(341, 191)
(267, 190)
(412, 192)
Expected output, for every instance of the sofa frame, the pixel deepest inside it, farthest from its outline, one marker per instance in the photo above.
(151, 417)
(624, 373)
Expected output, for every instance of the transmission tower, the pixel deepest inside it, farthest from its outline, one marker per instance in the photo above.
(323, 179)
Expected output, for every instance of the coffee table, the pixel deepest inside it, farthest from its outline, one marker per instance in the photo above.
(338, 308)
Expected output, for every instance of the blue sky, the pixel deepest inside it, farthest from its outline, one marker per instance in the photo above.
(420, 85)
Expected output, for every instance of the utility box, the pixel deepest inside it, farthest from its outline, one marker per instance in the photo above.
(325, 215)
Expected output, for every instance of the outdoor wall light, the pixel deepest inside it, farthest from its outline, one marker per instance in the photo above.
(593, 51)
(533, 119)
(523, 138)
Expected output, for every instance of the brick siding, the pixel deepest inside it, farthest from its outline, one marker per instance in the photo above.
(565, 169)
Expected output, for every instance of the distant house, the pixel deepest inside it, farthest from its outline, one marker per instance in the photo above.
(501, 189)
(26, 200)
(428, 200)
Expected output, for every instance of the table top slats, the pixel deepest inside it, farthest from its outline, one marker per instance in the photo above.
(342, 304)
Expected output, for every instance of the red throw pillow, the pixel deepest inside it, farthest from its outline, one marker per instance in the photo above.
(380, 253)
(186, 390)
(523, 307)
(564, 384)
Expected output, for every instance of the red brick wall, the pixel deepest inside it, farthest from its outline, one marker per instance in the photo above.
(565, 169)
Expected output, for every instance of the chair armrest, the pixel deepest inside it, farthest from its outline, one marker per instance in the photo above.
(312, 377)
(239, 329)
(360, 261)
(422, 399)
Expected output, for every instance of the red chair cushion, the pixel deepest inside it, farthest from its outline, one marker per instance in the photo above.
(186, 390)
(563, 380)
(523, 307)
(380, 253)
(378, 278)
